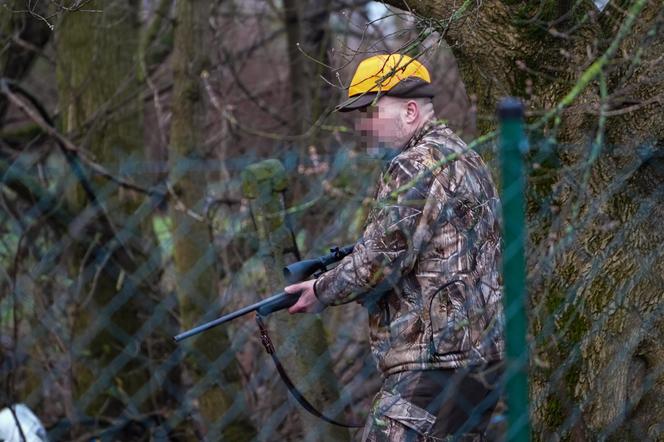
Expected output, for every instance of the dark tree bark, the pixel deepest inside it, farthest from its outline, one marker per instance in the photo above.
(102, 112)
(22, 37)
(595, 261)
(297, 74)
(307, 33)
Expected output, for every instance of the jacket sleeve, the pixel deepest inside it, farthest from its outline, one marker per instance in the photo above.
(397, 227)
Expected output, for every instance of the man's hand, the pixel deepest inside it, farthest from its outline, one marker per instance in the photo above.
(308, 303)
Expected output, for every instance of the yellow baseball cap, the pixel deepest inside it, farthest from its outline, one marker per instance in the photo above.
(395, 75)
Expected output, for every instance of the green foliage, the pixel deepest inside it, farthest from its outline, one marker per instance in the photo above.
(162, 226)
(8, 243)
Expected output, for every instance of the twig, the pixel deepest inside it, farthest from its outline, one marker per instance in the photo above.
(69, 147)
(599, 64)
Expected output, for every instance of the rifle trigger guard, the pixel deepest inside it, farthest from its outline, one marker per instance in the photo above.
(265, 338)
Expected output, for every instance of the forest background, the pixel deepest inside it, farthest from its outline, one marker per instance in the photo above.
(136, 202)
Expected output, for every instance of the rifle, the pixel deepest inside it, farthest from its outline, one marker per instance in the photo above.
(296, 272)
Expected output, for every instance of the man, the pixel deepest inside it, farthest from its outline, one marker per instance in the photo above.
(427, 266)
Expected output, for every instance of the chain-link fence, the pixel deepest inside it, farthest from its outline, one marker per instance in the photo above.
(91, 297)
(136, 215)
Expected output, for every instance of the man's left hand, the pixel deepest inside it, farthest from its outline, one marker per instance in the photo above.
(307, 303)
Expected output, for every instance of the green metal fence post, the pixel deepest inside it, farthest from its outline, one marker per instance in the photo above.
(513, 145)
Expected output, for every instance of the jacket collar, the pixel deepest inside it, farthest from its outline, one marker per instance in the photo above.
(420, 133)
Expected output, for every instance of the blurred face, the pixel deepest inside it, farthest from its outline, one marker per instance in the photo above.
(380, 126)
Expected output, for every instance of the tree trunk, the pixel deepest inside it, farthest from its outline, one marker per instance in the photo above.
(114, 291)
(300, 99)
(214, 379)
(301, 340)
(308, 42)
(317, 39)
(596, 264)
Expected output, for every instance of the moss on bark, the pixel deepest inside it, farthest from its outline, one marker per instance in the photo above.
(596, 263)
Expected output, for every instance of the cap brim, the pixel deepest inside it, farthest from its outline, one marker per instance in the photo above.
(407, 88)
(355, 103)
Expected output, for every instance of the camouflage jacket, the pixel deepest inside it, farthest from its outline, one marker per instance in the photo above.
(431, 244)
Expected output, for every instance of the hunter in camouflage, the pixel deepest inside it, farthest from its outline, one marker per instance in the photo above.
(436, 225)
(427, 269)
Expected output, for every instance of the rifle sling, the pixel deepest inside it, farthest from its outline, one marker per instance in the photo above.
(269, 347)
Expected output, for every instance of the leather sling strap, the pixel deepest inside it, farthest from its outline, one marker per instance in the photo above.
(269, 347)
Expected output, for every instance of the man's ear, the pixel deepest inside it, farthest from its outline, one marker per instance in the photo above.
(412, 112)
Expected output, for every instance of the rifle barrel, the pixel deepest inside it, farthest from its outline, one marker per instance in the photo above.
(295, 272)
(229, 317)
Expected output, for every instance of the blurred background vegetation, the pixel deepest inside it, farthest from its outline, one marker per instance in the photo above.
(135, 203)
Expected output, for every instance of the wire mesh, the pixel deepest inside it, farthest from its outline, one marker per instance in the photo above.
(92, 288)
(67, 352)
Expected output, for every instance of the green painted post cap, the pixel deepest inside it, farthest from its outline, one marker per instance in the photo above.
(510, 107)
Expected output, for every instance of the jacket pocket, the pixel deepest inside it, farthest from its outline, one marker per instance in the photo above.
(450, 325)
(392, 406)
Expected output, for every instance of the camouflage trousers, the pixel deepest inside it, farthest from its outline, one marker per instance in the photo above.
(436, 405)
